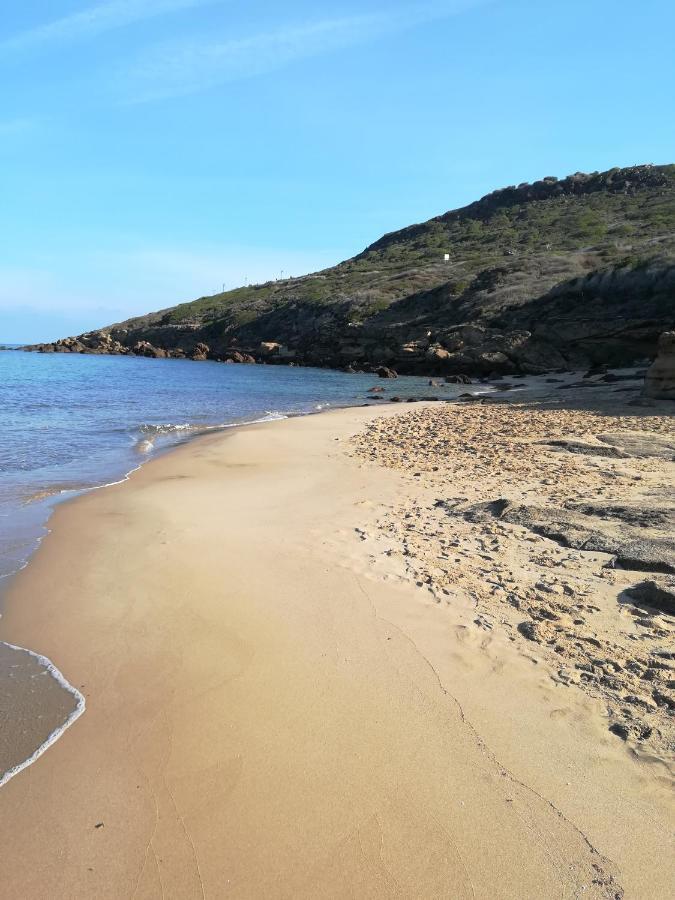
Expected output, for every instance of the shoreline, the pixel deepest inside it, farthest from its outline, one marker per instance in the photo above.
(313, 542)
(7, 773)
(69, 495)
(65, 497)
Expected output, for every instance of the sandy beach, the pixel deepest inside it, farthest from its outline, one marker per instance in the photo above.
(318, 663)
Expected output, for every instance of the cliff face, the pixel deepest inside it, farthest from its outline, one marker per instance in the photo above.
(537, 277)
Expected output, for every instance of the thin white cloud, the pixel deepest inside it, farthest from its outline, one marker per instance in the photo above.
(185, 67)
(95, 20)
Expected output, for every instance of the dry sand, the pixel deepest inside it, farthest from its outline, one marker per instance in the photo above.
(275, 709)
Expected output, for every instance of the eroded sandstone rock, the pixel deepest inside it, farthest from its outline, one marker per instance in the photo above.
(660, 377)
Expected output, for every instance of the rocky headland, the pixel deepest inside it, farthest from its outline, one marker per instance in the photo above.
(559, 274)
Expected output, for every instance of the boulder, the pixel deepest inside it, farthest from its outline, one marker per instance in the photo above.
(457, 379)
(69, 345)
(414, 348)
(656, 596)
(200, 352)
(436, 354)
(385, 372)
(375, 390)
(269, 348)
(237, 356)
(145, 348)
(494, 359)
(99, 342)
(660, 377)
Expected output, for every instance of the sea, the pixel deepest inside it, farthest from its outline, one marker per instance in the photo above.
(74, 423)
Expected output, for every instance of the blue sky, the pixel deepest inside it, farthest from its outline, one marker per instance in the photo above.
(152, 150)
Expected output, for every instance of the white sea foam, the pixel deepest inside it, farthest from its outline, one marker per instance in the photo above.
(151, 432)
(56, 734)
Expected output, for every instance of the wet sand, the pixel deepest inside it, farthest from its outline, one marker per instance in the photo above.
(35, 707)
(274, 708)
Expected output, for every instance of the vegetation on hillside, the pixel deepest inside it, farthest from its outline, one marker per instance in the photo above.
(624, 217)
(555, 273)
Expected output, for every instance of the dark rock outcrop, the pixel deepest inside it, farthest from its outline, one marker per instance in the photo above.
(641, 444)
(653, 595)
(638, 539)
(585, 449)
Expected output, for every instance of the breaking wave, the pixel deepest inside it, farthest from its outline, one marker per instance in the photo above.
(150, 436)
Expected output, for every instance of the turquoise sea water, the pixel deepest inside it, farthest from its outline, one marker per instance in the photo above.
(72, 422)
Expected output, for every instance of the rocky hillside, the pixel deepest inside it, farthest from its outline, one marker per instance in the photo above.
(555, 274)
